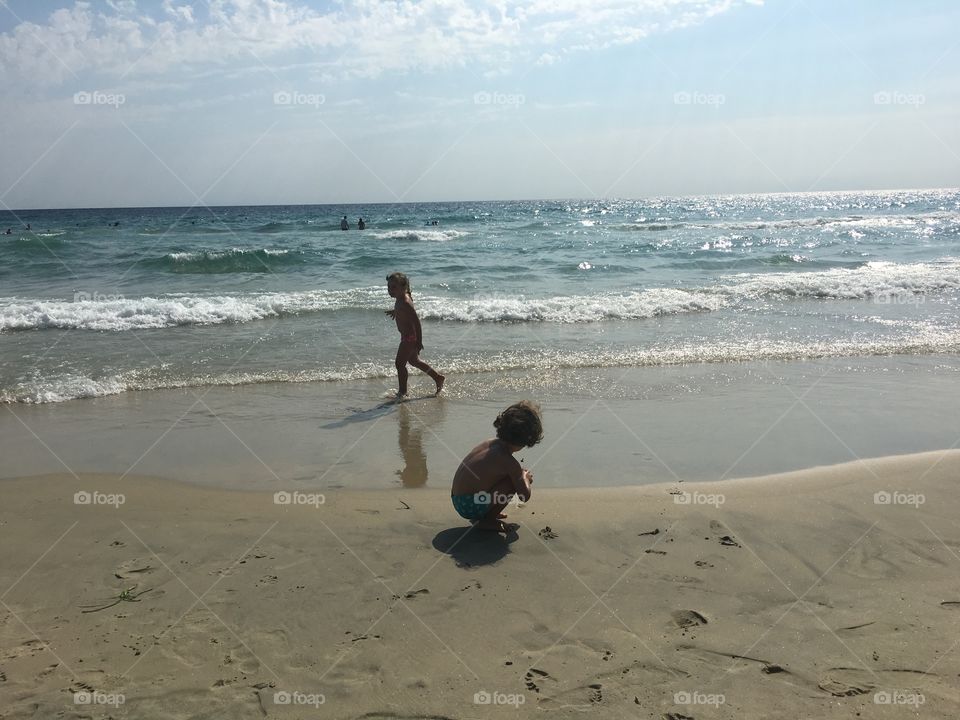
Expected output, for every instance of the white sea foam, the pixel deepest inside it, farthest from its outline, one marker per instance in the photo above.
(570, 309)
(879, 222)
(69, 386)
(419, 235)
(184, 257)
(168, 311)
(539, 363)
(65, 387)
(870, 281)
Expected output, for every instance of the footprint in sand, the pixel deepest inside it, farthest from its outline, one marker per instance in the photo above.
(132, 569)
(30, 647)
(243, 658)
(677, 716)
(845, 682)
(688, 618)
(535, 673)
(596, 695)
(413, 593)
(358, 638)
(547, 533)
(726, 537)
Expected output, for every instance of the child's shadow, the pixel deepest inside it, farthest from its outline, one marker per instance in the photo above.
(358, 415)
(470, 547)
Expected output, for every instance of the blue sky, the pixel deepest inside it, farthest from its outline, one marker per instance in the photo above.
(121, 103)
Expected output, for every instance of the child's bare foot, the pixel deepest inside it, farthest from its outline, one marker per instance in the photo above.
(439, 382)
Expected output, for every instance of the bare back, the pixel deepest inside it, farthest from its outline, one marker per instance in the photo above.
(486, 465)
(405, 315)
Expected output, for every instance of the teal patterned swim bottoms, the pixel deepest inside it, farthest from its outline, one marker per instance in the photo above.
(472, 506)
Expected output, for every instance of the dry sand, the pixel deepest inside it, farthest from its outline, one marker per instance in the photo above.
(798, 596)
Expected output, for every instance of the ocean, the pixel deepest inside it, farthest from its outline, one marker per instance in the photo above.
(97, 302)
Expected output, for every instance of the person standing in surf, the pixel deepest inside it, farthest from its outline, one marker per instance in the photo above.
(411, 334)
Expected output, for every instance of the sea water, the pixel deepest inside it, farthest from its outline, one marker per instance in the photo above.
(97, 302)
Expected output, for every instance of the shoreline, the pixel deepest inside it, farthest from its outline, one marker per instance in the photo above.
(603, 428)
(797, 595)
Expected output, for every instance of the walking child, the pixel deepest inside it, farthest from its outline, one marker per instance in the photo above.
(411, 334)
(489, 476)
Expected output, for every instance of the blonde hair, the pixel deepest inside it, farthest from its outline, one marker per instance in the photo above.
(404, 281)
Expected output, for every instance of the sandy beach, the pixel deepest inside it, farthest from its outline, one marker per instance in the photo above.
(827, 593)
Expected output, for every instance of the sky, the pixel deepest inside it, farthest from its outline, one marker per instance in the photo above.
(114, 103)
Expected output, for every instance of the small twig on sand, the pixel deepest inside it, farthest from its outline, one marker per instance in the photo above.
(125, 596)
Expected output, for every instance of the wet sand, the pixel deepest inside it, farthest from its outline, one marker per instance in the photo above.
(603, 427)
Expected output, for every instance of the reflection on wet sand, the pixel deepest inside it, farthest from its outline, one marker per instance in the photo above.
(411, 426)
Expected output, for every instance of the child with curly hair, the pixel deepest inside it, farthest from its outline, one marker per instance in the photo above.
(489, 476)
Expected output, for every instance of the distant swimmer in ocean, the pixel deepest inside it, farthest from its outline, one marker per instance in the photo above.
(8, 232)
(344, 225)
(411, 334)
(361, 225)
(28, 227)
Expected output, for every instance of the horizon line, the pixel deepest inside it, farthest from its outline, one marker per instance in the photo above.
(14, 211)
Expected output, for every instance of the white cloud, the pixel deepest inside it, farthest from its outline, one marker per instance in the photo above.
(181, 12)
(363, 38)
